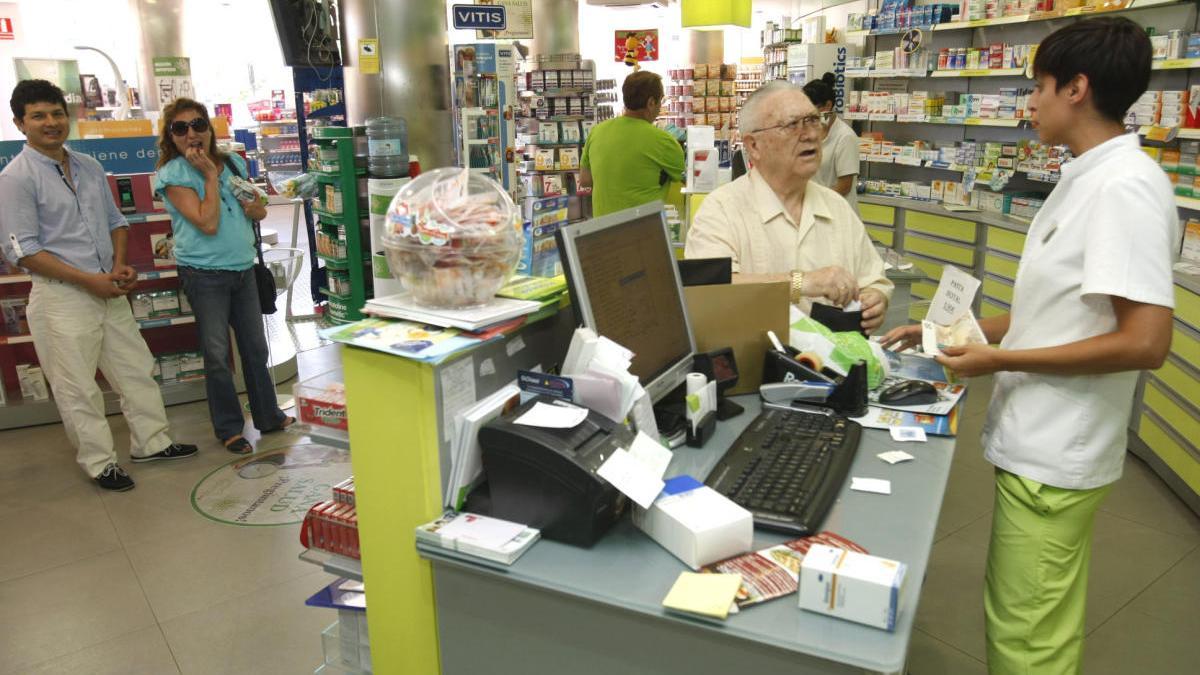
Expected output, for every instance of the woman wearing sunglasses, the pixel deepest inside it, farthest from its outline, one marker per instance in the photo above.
(214, 249)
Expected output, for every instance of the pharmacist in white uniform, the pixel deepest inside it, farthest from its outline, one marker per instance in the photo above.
(839, 147)
(1092, 306)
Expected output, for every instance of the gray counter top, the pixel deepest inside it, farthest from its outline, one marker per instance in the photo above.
(629, 571)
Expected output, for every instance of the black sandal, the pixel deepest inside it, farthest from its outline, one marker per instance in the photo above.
(241, 446)
(287, 422)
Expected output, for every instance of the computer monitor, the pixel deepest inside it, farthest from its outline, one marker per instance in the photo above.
(624, 285)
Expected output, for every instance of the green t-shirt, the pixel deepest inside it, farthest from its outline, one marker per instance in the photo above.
(627, 157)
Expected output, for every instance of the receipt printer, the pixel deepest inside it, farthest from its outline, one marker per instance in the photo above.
(546, 478)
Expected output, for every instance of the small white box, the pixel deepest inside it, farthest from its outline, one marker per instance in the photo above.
(853, 586)
(695, 523)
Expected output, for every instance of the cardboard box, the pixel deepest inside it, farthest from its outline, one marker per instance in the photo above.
(164, 303)
(142, 304)
(761, 307)
(695, 523)
(852, 586)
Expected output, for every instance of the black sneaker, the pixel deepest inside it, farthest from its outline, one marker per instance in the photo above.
(172, 451)
(114, 478)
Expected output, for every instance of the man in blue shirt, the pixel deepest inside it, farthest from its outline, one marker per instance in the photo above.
(59, 222)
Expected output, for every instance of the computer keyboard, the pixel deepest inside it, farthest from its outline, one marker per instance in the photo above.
(787, 468)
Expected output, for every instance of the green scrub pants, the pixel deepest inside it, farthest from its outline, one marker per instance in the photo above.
(1037, 572)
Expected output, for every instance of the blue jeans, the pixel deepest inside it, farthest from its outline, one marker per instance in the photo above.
(224, 299)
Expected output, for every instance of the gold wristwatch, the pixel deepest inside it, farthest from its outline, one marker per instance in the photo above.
(797, 286)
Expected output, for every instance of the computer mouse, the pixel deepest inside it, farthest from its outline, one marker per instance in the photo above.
(909, 392)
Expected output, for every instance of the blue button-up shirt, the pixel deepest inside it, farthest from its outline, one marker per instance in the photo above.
(39, 210)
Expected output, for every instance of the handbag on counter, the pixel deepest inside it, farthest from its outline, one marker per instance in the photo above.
(263, 279)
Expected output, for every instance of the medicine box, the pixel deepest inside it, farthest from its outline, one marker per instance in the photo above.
(852, 586)
(695, 523)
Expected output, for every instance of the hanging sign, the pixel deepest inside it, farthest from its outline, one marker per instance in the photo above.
(640, 45)
(172, 78)
(479, 17)
(518, 14)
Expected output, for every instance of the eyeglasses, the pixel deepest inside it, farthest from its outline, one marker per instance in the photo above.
(180, 128)
(813, 121)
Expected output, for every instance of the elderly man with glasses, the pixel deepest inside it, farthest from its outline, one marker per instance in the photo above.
(777, 224)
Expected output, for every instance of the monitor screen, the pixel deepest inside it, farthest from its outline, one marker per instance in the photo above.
(625, 286)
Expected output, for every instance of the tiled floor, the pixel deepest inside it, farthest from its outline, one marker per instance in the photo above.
(138, 582)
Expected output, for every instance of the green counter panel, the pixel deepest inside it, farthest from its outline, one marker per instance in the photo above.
(1000, 266)
(931, 269)
(397, 473)
(881, 235)
(1187, 306)
(874, 213)
(997, 289)
(1180, 459)
(1186, 345)
(1000, 239)
(923, 290)
(1180, 418)
(1184, 383)
(941, 226)
(962, 256)
(989, 309)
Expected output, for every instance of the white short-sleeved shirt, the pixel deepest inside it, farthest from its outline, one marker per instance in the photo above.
(1109, 229)
(839, 157)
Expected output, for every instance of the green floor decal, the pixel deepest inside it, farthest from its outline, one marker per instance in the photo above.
(274, 487)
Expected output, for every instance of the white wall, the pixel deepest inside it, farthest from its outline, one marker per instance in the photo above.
(226, 40)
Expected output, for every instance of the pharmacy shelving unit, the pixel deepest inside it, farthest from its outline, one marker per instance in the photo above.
(1166, 418)
(162, 335)
(279, 146)
(344, 307)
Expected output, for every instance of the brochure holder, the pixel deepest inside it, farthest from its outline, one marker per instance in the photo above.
(849, 395)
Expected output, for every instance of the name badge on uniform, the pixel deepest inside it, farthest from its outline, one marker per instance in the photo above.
(1050, 233)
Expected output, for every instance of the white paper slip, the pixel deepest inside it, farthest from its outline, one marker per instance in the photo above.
(876, 485)
(631, 478)
(954, 295)
(854, 306)
(650, 453)
(894, 456)
(904, 434)
(549, 416)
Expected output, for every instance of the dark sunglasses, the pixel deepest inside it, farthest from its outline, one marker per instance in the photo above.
(180, 128)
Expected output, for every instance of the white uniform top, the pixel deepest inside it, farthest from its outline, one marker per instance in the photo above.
(1110, 228)
(839, 157)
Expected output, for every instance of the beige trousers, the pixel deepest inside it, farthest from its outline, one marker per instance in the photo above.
(74, 333)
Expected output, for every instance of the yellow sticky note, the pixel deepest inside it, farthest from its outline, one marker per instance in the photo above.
(705, 594)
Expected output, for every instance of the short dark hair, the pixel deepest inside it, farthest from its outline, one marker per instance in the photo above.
(1112, 52)
(821, 91)
(639, 88)
(34, 91)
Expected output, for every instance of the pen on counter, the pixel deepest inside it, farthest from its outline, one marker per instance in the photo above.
(775, 342)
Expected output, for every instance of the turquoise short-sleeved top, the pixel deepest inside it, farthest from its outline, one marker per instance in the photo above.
(232, 247)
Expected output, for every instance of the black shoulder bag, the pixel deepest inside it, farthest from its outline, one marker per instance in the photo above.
(262, 276)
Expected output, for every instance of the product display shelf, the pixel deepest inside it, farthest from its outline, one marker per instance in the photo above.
(337, 565)
(1080, 12)
(345, 308)
(980, 72)
(1183, 133)
(1036, 176)
(922, 119)
(1175, 64)
(1189, 203)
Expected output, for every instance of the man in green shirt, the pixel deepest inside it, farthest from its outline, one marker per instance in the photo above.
(627, 161)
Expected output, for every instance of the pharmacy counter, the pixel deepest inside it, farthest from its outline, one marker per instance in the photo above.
(599, 610)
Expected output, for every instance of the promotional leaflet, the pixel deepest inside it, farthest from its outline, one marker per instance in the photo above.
(775, 572)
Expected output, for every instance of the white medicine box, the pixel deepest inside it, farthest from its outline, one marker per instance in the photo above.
(853, 586)
(695, 523)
